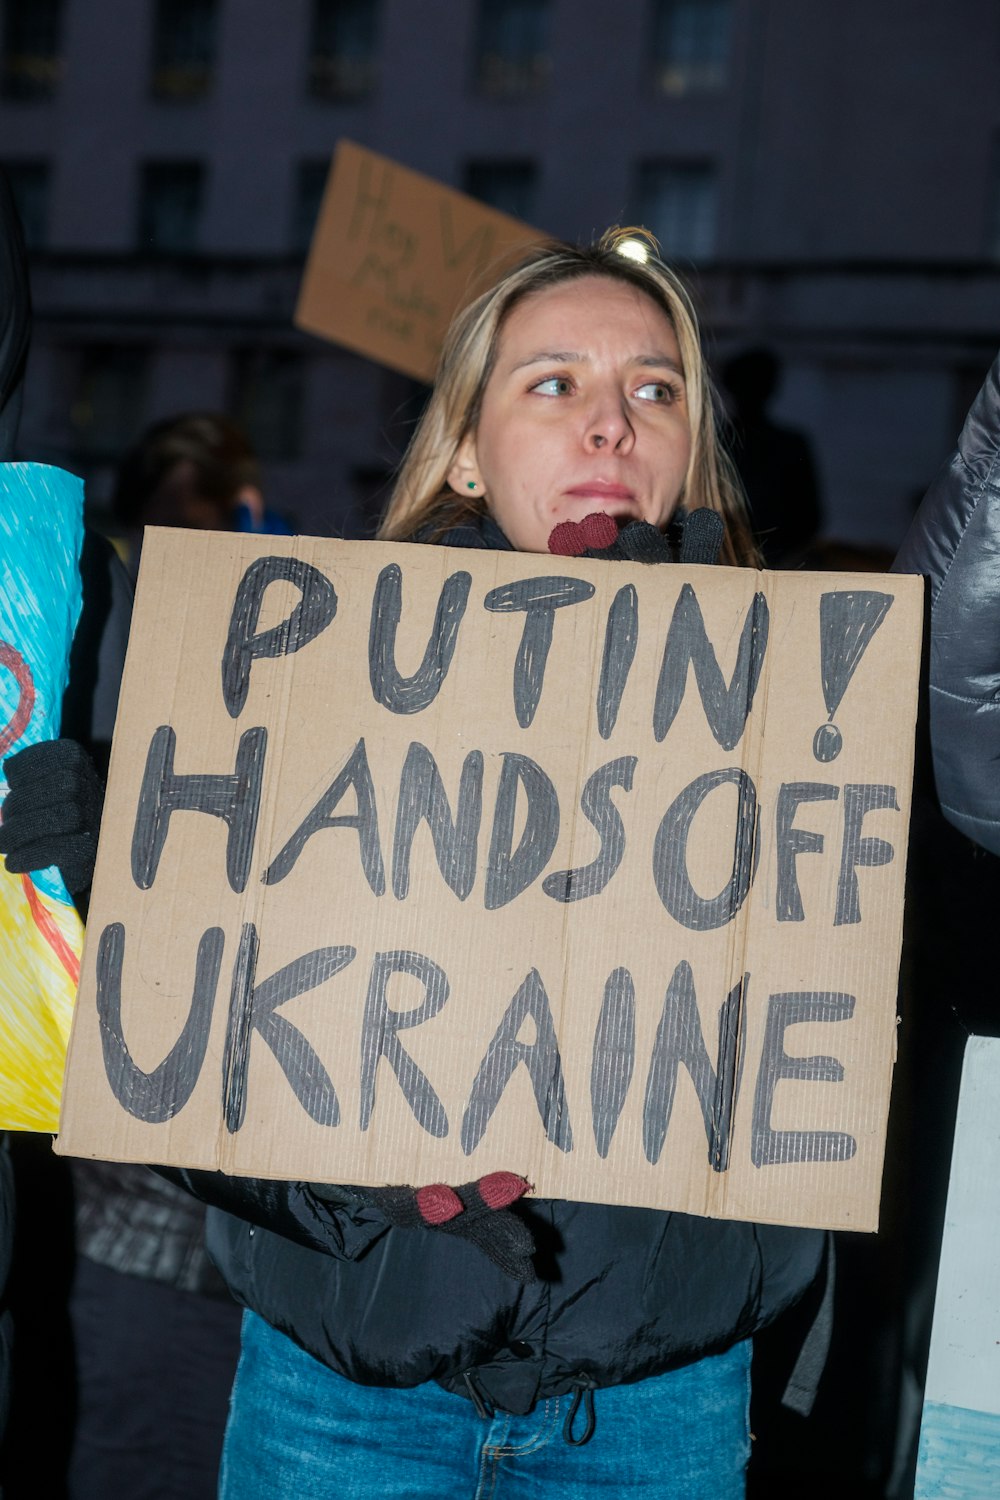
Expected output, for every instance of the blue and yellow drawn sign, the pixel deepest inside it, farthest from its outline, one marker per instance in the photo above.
(41, 935)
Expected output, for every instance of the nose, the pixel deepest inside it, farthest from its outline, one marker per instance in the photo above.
(608, 426)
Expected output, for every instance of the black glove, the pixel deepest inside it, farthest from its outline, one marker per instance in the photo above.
(692, 538)
(477, 1211)
(52, 812)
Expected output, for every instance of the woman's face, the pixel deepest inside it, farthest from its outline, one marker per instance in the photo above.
(585, 411)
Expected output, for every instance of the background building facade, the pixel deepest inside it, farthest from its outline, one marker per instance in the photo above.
(829, 177)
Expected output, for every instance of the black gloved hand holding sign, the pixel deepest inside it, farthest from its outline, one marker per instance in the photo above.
(695, 538)
(52, 812)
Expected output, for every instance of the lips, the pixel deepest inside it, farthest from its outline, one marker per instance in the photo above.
(600, 489)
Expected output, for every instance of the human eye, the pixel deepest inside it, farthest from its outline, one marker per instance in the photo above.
(553, 385)
(660, 391)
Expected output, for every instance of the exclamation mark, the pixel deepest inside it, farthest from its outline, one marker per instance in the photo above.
(847, 622)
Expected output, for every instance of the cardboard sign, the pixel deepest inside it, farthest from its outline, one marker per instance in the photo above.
(960, 1433)
(41, 935)
(422, 863)
(395, 255)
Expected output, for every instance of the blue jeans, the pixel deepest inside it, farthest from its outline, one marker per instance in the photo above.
(297, 1431)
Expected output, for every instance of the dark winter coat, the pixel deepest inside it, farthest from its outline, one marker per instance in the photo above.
(622, 1293)
(955, 542)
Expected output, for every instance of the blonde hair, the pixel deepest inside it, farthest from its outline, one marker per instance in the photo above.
(422, 500)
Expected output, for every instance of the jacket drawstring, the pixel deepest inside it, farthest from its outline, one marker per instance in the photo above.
(584, 1392)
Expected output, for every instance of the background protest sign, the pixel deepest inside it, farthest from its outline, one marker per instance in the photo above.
(395, 255)
(418, 864)
(960, 1432)
(41, 936)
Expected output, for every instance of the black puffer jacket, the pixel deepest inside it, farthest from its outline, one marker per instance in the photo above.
(955, 543)
(623, 1293)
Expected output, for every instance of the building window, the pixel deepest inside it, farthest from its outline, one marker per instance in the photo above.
(29, 183)
(183, 49)
(107, 413)
(343, 57)
(170, 200)
(31, 64)
(678, 202)
(310, 182)
(512, 58)
(506, 185)
(267, 401)
(691, 45)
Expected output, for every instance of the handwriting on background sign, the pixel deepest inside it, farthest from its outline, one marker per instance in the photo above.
(494, 854)
(395, 259)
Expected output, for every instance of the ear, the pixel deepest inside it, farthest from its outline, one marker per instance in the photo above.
(463, 476)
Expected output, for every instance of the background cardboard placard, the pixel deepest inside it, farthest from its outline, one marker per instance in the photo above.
(315, 989)
(395, 255)
(960, 1432)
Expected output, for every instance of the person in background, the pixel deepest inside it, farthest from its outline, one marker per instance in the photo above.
(775, 463)
(953, 542)
(197, 470)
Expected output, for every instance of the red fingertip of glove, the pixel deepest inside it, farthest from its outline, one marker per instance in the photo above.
(438, 1203)
(571, 538)
(501, 1189)
(566, 540)
(599, 530)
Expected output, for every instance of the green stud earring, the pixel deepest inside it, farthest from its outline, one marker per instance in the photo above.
(472, 484)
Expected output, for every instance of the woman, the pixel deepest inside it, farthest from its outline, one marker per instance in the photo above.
(434, 1342)
(574, 387)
